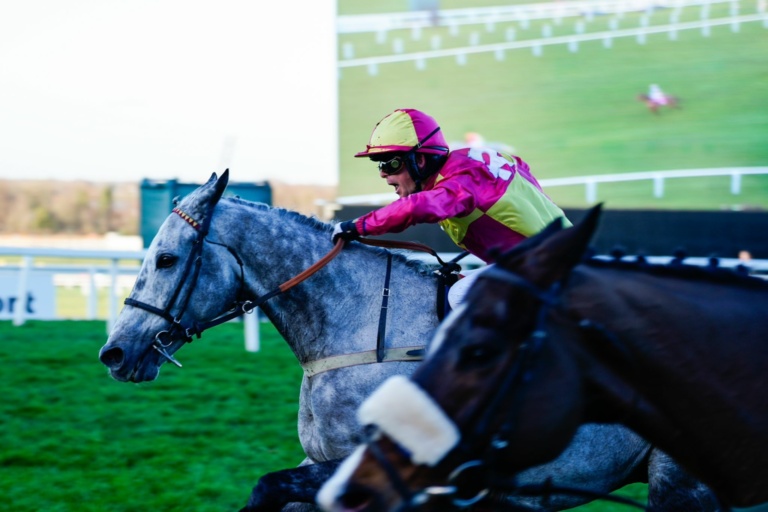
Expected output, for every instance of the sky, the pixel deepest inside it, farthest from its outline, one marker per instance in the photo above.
(122, 90)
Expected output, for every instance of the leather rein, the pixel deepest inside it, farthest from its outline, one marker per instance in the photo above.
(178, 331)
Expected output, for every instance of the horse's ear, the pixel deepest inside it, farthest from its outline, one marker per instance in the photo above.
(220, 186)
(202, 201)
(509, 258)
(553, 256)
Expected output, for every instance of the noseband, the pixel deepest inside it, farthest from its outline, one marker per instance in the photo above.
(520, 374)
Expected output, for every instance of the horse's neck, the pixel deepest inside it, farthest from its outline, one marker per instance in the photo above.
(336, 310)
(676, 354)
(663, 322)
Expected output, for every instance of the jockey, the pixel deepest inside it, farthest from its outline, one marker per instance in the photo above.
(484, 200)
(656, 95)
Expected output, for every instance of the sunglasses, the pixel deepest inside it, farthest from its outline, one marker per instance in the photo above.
(393, 166)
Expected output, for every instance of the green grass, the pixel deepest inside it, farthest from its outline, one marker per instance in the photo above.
(198, 438)
(574, 114)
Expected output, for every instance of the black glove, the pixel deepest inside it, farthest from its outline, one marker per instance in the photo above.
(345, 230)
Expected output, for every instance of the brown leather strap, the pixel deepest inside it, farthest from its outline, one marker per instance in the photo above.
(388, 244)
(314, 268)
(393, 244)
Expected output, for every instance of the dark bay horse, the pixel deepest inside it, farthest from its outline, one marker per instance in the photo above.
(547, 341)
(215, 253)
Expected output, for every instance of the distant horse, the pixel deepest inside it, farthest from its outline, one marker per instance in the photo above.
(654, 105)
(212, 257)
(545, 343)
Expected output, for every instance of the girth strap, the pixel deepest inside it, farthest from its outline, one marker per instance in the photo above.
(415, 353)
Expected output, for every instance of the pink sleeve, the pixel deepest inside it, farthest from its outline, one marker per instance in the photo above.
(452, 197)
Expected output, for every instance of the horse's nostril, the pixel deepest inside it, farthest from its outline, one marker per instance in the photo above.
(111, 357)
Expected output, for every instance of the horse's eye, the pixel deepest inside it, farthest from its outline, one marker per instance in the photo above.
(478, 353)
(166, 260)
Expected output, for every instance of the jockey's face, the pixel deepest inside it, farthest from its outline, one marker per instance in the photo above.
(401, 180)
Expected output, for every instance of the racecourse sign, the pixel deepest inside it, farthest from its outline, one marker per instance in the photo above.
(37, 301)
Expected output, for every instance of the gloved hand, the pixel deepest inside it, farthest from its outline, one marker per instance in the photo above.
(345, 230)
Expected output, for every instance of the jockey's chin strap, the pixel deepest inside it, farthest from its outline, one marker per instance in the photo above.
(178, 331)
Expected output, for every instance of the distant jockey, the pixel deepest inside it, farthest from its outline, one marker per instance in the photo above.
(656, 95)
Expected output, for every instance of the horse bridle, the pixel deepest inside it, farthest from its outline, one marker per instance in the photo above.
(178, 331)
(520, 373)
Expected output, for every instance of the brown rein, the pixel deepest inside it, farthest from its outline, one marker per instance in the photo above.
(387, 244)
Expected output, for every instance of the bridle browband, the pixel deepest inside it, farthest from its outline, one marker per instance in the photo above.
(519, 374)
(241, 306)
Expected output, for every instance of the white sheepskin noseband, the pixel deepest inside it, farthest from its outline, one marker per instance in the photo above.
(408, 415)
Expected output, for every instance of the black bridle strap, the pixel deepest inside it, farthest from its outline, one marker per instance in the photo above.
(194, 259)
(519, 373)
(176, 327)
(447, 275)
(149, 307)
(381, 336)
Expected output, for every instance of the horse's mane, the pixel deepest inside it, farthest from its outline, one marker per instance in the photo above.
(318, 225)
(676, 268)
(311, 222)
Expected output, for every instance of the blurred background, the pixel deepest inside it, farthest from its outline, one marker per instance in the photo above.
(109, 109)
(559, 84)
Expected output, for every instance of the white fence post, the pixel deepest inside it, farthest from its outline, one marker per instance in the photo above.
(591, 191)
(658, 186)
(252, 338)
(112, 318)
(93, 295)
(736, 183)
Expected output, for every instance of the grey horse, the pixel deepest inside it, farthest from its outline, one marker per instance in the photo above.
(213, 254)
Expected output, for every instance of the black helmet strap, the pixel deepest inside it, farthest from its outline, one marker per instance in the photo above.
(425, 139)
(410, 159)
